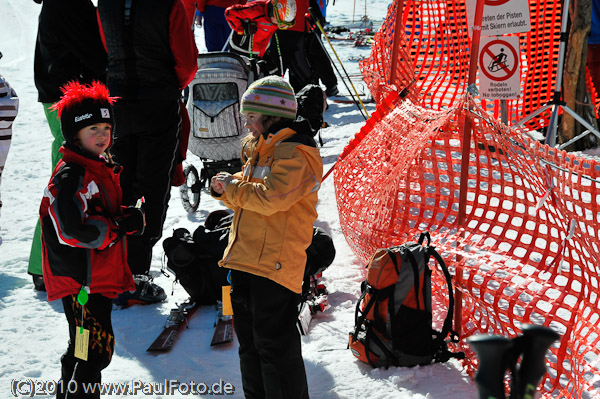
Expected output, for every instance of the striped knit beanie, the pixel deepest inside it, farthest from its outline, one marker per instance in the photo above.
(270, 95)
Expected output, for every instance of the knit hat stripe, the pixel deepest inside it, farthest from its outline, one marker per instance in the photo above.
(274, 91)
(271, 95)
(268, 109)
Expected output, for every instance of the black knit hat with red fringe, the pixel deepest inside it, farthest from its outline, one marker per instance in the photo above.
(83, 105)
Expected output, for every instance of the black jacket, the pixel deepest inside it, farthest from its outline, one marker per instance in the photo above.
(141, 62)
(68, 47)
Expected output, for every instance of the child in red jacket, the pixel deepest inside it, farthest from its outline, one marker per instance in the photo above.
(255, 23)
(84, 229)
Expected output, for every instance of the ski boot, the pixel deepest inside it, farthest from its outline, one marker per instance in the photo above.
(146, 292)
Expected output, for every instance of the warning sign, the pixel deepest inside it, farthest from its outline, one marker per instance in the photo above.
(499, 68)
(501, 17)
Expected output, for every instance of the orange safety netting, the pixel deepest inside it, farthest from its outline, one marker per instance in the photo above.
(434, 56)
(529, 251)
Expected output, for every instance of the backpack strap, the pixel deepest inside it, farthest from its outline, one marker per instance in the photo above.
(443, 354)
(447, 327)
(423, 236)
(392, 256)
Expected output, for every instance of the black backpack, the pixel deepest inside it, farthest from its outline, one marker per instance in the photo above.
(195, 261)
(311, 106)
(319, 255)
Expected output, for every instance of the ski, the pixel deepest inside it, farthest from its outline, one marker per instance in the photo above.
(313, 301)
(178, 318)
(223, 328)
(349, 100)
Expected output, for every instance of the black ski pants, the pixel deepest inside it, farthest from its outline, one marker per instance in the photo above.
(294, 55)
(97, 320)
(319, 60)
(146, 143)
(265, 315)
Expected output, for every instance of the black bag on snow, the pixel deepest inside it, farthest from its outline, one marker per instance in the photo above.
(319, 255)
(194, 259)
(393, 318)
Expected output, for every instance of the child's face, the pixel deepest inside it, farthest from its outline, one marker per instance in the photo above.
(95, 138)
(254, 123)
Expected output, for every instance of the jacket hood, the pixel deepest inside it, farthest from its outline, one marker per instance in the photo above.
(300, 126)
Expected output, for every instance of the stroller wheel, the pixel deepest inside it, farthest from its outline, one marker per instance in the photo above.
(190, 190)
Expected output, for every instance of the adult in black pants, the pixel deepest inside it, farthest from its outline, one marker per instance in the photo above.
(152, 56)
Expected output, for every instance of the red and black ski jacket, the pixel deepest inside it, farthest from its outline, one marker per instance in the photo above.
(80, 243)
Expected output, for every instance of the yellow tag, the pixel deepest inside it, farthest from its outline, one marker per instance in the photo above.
(227, 309)
(82, 338)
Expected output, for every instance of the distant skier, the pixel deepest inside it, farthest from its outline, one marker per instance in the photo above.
(9, 106)
(84, 233)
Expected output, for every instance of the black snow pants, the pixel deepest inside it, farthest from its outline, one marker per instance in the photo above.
(293, 52)
(97, 320)
(146, 143)
(265, 315)
(318, 59)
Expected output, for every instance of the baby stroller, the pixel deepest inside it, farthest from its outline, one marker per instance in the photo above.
(216, 124)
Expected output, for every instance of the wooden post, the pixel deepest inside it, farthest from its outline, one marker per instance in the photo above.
(574, 89)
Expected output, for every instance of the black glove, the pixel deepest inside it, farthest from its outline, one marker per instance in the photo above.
(132, 222)
(249, 27)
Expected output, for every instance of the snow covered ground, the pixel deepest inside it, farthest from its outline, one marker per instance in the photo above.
(34, 332)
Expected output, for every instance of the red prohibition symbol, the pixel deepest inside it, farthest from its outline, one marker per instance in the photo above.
(498, 67)
(495, 2)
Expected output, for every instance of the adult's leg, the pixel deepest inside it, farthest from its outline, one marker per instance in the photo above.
(9, 106)
(146, 146)
(35, 255)
(319, 60)
(216, 28)
(96, 318)
(294, 59)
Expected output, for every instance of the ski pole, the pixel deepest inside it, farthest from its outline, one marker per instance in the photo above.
(311, 16)
(338, 58)
(342, 78)
(227, 41)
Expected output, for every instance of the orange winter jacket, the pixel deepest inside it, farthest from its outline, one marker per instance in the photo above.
(274, 199)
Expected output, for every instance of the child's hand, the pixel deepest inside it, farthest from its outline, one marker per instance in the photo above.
(219, 182)
(132, 222)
